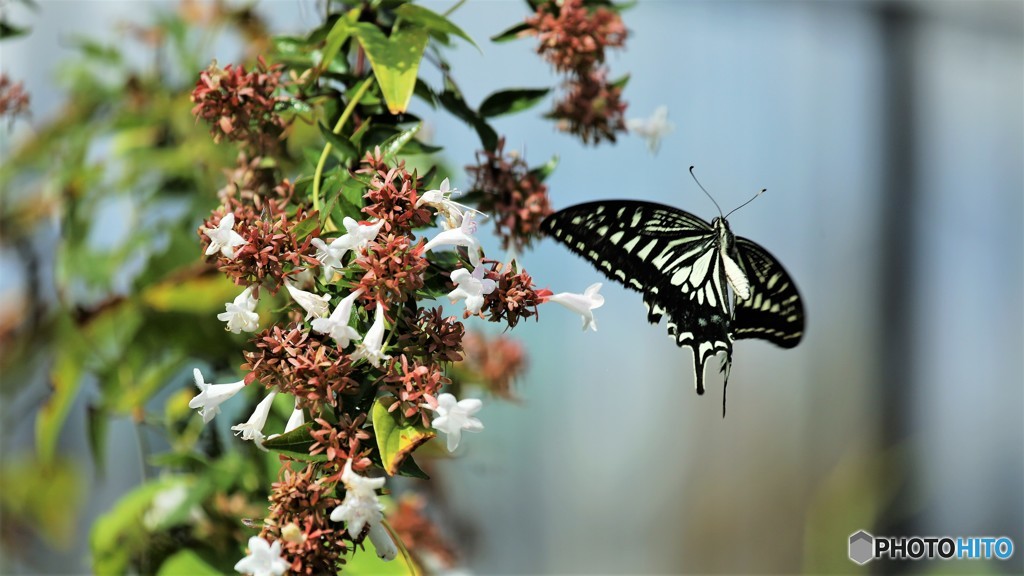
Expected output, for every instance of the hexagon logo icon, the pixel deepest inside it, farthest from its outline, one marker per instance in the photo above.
(861, 547)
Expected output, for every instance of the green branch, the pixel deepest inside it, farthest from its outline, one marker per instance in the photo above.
(337, 129)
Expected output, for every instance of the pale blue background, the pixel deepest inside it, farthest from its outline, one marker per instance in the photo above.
(611, 464)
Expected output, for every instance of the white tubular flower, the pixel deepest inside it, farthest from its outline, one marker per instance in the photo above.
(441, 201)
(582, 304)
(360, 506)
(315, 305)
(336, 326)
(653, 129)
(329, 255)
(473, 287)
(241, 315)
(264, 559)
(370, 347)
(382, 541)
(359, 235)
(461, 236)
(252, 429)
(223, 238)
(211, 396)
(298, 418)
(456, 416)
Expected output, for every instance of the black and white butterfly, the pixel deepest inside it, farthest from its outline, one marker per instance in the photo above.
(686, 269)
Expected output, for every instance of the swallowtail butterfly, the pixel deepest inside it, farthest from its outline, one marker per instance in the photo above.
(685, 269)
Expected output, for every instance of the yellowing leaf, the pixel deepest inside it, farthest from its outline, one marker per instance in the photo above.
(395, 438)
(395, 61)
(202, 295)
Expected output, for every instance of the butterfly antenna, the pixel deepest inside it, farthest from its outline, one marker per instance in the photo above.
(762, 191)
(694, 176)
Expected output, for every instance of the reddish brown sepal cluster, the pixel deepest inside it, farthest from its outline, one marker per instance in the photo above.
(573, 37)
(298, 362)
(392, 196)
(272, 244)
(431, 335)
(240, 105)
(592, 109)
(393, 269)
(497, 361)
(512, 193)
(514, 298)
(299, 499)
(14, 100)
(420, 536)
(414, 385)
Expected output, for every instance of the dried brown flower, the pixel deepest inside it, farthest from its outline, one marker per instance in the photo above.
(273, 250)
(592, 109)
(299, 518)
(301, 364)
(573, 37)
(431, 336)
(392, 196)
(14, 100)
(419, 534)
(514, 298)
(498, 362)
(340, 442)
(414, 384)
(393, 269)
(240, 105)
(512, 193)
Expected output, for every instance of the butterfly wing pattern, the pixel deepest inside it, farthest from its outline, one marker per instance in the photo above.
(675, 260)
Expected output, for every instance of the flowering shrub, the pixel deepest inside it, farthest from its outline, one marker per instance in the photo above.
(314, 281)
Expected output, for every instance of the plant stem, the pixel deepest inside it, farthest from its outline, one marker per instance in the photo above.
(337, 128)
(401, 548)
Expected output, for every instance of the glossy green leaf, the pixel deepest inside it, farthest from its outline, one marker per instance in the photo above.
(393, 145)
(513, 33)
(396, 439)
(395, 61)
(306, 227)
(511, 101)
(621, 82)
(295, 444)
(340, 32)
(340, 145)
(432, 21)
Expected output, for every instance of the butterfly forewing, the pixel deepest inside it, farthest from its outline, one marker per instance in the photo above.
(774, 311)
(671, 256)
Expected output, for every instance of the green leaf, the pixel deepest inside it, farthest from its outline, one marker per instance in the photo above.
(186, 562)
(118, 535)
(202, 295)
(306, 227)
(511, 101)
(295, 444)
(432, 21)
(340, 32)
(395, 61)
(65, 380)
(542, 172)
(10, 31)
(621, 82)
(513, 33)
(396, 439)
(393, 145)
(339, 144)
(410, 468)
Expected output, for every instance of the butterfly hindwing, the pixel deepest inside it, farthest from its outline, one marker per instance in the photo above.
(774, 311)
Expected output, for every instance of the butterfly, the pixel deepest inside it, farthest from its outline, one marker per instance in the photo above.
(686, 269)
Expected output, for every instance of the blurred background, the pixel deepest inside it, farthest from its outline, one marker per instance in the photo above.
(890, 137)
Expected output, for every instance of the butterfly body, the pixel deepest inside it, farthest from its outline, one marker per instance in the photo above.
(713, 286)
